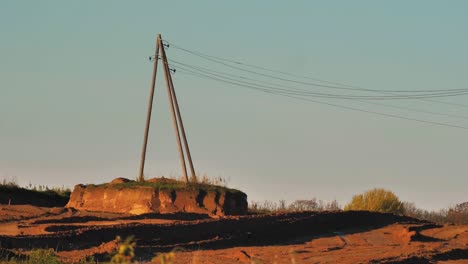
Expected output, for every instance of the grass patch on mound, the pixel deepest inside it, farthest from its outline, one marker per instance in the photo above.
(16, 195)
(170, 185)
(48, 193)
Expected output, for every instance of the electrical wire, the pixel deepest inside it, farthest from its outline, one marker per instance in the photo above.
(306, 77)
(340, 85)
(301, 94)
(379, 104)
(295, 91)
(334, 105)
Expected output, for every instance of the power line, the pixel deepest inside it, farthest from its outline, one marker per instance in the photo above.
(374, 103)
(446, 103)
(341, 86)
(258, 67)
(306, 77)
(414, 109)
(331, 104)
(210, 71)
(379, 113)
(301, 92)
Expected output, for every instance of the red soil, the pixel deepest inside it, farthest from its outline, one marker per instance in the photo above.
(137, 200)
(328, 237)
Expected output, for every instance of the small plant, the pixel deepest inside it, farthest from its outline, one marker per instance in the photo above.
(42, 256)
(35, 256)
(88, 260)
(206, 180)
(126, 250)
(376, 200)
(203, 183)
(165, 258)
(193, 179)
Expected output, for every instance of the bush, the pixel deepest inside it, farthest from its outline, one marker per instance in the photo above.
(42, 256)
(126, 250)
(296, 206)
(457, 217)
(376, 200)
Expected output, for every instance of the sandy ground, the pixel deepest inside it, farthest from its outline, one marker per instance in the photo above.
(308, 237)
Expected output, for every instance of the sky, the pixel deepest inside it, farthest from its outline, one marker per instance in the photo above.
(75, 78)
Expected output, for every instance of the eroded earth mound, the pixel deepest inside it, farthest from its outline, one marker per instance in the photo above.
(158, 195)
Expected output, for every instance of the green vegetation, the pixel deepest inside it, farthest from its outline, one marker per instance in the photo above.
(126, 250)
(169, 185)
(380, 200)
(12, 193)
(36, 256)
(376, 200)
(48, 192)
(9, 185)
(43, 256)
(164, 258)
(141, 178)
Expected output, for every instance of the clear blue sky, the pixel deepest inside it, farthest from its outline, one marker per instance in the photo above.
(75, 76)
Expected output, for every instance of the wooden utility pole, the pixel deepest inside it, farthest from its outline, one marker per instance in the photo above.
(171, 104)
(176, 116)
(179, 117)
(182, 129)
(141, 177)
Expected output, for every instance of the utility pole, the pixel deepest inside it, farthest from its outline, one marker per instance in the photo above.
(176, 116)
(179, 117)
(171, 103)
(141, 177)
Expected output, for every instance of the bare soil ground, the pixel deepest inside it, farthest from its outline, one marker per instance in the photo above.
(308, 237)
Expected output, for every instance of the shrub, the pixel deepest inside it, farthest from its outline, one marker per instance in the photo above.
(262, 208)
(296, 206)
(165, 258)
(410, 209)
(42, 256)
(126, 250)
(306, 205)
(458, 215)
(377, 200)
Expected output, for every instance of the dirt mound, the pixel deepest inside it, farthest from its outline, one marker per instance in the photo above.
(204, 202)
(20, 196)
(137, 200)
(120, 180)
(412, 233)
(161, 180)
(148, 197)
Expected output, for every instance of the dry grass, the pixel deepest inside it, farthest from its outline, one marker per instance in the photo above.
(296, 206)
